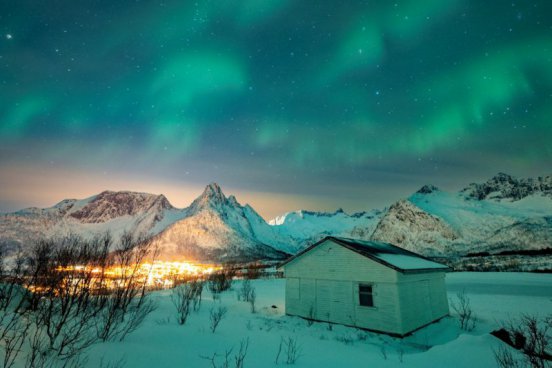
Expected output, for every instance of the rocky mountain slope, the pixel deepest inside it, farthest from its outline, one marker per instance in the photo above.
(495, 224)
(219, 228)
(113, 212)
(502, 214)
(416, 230)
(506, 187)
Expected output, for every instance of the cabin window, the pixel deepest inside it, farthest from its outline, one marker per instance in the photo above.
(365, 295)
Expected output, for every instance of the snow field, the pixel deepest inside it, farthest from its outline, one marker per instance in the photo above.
(161, 342)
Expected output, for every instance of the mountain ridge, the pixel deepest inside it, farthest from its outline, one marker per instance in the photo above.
(497, 215)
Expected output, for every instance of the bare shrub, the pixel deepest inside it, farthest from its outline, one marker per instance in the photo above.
(215, 316)
(239, 357)
(58, 300)
(505, 359)
(310, 318)
(245, 291)
(400, 353)
(346, 339)
(127, 302)
(252, 299)
(220, 281)
(197, 291)
(532, 336)
(465, 313)
(383, 352)
(181, 297)
(63, 304)
(13, 323)
(291, 350)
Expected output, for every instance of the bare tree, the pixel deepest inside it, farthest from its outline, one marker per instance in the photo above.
(59, 299)
(216, 315)
(532, 336)
(185, 296)
(310, 319)
(291, 349)
(252, 299)
(239, 357)
(181, 298)
(465, 313)
(505, 359)
(13, 323)
(221, 280)
(127, 303)
(245, 291)
(197, 290)
(64, 307)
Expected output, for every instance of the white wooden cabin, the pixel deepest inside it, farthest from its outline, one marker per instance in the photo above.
(365, 284)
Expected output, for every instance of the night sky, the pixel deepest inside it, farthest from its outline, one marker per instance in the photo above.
(288, 104)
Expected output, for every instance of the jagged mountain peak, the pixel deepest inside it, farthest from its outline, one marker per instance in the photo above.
(428, 189)
(234, 202)
(213, 190)
(502, 177)
(506, 187)
(212, 197)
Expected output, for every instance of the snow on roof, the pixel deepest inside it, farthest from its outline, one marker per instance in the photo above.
(387, 254)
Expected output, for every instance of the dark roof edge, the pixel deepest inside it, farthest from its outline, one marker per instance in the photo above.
(375, 259)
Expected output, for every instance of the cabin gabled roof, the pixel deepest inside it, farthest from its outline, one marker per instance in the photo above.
(386, 254)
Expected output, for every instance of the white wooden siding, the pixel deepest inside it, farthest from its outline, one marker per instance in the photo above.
(323, 285)
(331, 261)
(422, 300)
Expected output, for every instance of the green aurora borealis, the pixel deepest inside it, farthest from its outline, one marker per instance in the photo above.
(352, 103)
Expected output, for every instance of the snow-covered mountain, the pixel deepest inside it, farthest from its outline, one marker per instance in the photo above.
(113, 212)
(219, 228)
(302, 228)
(407, 225)
(496, 223)
(213, 227)
(502, 214)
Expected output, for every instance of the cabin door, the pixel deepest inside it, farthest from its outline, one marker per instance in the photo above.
(334, 301)
(323, 299)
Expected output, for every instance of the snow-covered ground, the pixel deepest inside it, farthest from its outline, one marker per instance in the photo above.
(161, 342)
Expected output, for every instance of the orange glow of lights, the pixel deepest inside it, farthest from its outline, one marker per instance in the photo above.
(156, 274)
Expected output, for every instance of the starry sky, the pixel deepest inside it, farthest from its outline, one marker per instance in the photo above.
(287, 104)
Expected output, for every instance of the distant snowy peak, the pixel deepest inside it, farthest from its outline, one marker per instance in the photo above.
(109, 205)
(302, 214)
(506, 187)
(302, 228)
